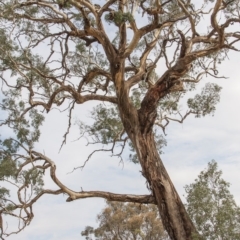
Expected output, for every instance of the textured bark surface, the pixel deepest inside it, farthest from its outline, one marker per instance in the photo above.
(174, 216)
(138, 125)
(172, 211)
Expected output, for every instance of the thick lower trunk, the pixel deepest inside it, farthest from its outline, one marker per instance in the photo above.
(138, 125)
(172, 211)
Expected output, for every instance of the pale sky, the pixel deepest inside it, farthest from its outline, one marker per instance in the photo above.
(190, 147)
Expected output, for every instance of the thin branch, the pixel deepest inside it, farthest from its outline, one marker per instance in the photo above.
(69, 126)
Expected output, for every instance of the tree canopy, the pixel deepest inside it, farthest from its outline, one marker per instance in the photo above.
(211, 206)
(137, 59)
(127, 221)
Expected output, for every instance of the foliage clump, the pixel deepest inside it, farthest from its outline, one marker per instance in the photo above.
(119, 17)
(127, 221)
(211, 206)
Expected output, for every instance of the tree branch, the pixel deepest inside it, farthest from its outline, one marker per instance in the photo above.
(147, 199)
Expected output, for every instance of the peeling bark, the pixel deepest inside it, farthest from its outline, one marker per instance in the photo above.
(173, 214)
(138, 125)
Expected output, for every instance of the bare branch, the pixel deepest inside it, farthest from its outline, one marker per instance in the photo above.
(188, 14)
(69, 126)
(113, 197)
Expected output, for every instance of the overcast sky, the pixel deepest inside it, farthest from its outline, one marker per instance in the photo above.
(190, 147)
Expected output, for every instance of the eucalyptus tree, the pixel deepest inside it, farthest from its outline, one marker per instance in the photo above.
(127, 221)
(211, 206)
(138, 57)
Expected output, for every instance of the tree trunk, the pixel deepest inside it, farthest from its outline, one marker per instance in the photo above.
(138, 124)
(172, 211)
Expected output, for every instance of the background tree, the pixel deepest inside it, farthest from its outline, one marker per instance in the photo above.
(128, 221)
(211, 206)
(60, 54)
